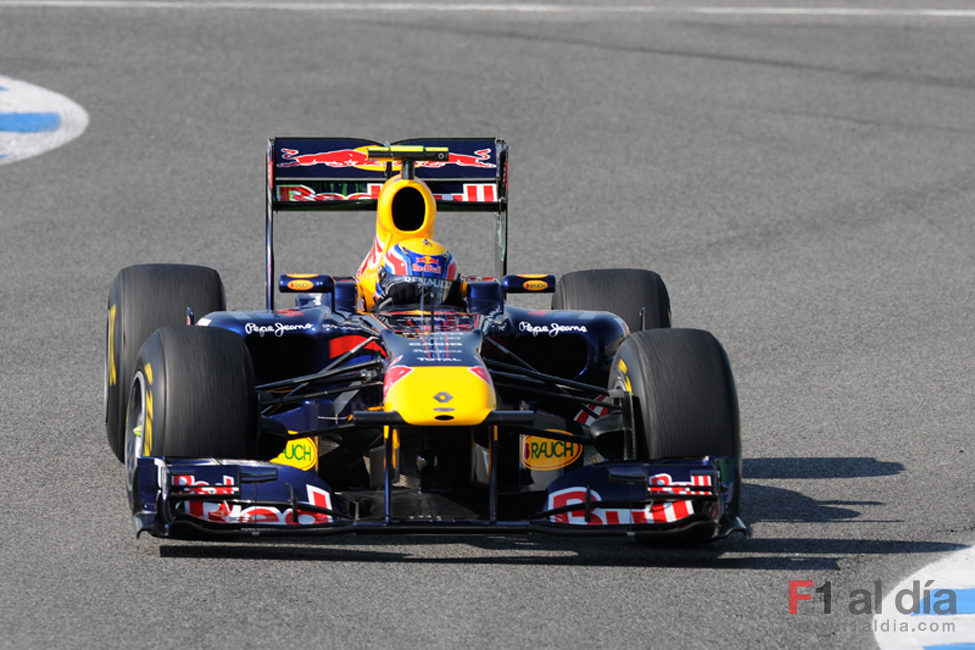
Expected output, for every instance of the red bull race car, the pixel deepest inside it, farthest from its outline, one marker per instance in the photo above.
(407, 397)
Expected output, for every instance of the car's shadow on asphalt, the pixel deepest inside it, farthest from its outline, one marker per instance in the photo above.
(779, 554)
(763, 504)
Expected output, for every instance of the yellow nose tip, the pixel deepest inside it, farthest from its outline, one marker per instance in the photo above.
(440, 395)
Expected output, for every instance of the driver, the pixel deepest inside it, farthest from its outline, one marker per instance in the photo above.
(416, 271)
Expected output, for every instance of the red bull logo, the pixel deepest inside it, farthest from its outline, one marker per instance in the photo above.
(360, 160)
(427, 264)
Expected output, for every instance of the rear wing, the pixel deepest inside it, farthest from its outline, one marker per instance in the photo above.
(338, 174)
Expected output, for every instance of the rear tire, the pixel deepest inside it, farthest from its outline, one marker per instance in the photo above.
(685, 403)
(624, 292)
(192, 395)
(143, 298)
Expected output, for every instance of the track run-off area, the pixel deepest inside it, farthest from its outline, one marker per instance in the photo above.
(801, 175)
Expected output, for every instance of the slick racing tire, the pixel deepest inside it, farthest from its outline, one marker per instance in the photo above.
(684, 399)
(192, 395)
(624, 292)
(143, 298)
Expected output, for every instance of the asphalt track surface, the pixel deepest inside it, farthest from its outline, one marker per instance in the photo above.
(804, 183)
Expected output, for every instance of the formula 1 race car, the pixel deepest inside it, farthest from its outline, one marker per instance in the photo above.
(407, 397)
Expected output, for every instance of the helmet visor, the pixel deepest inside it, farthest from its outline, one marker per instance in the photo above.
(428, 292)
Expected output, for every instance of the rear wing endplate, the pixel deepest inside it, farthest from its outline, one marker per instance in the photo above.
(339, 174)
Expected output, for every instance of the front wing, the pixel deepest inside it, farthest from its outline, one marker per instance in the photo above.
(172, 497)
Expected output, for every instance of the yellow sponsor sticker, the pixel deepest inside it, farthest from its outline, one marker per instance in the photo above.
(147, 431)
(626, 378)
(535, 285)
(112, 371)
(301, 285)
(147, 438)
(545, 454)
(300, 452)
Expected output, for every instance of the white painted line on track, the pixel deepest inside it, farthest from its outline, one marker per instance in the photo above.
(532, 8)
(934, 625)
(34, 120)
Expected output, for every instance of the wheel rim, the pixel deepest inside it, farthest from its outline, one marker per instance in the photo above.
(617, 383)
(135, 421)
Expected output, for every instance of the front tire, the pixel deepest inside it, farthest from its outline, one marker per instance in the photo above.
(143, 298)
(684, 401)
(686, 405)
(624, 292)
(193, 396)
